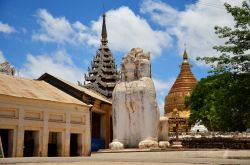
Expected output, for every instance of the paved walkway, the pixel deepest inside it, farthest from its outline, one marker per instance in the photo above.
(139, 158)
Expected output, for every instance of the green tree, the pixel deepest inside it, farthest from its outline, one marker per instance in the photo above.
(222, 100)
(235, 54)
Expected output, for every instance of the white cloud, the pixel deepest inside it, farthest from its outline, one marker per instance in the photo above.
(2, 59)
(58, 64)
(52, 29)
(63, 57)
(5, 28)
(159, 11)
(125, 31)
(193, 26)
(79, 26)
(60, 30)
(161, 104)
(162, 88)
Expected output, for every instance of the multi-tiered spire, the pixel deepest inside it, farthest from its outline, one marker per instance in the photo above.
(103, 74)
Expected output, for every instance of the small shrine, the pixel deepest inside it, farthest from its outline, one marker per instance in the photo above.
(103, 74)
(7, 69)
(175, 99)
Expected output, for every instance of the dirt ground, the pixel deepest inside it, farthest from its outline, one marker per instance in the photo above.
(194, 157)
(105, 163)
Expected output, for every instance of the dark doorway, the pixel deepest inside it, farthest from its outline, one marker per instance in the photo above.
(98, 132)
(96, 125)
(75, 144)
(7, 141)
(31, 143)
(55, 144)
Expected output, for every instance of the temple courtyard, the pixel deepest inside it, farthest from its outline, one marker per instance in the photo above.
(172, 157)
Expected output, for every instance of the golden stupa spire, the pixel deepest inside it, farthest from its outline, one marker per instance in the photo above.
(182, 87)
(185, 55)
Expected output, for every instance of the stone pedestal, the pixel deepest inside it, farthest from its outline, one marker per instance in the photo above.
(163, 129)
(164, 144)
(176, 144)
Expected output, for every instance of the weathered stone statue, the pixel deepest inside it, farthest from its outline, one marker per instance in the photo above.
(135, 110)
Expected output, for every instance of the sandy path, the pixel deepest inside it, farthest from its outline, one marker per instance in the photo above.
(104, 163)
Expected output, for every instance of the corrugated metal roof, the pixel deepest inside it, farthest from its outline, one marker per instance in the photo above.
(86, 91)
(34, 89)
(94, 94)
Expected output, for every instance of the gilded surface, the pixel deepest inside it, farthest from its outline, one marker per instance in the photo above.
(182, 87)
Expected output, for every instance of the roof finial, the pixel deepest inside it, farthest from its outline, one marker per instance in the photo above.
(104, 39)
(185, 55)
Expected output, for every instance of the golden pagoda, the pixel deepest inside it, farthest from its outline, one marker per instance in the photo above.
(182, 87)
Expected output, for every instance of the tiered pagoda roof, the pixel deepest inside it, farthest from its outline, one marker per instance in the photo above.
(103, 74)
(182, 87)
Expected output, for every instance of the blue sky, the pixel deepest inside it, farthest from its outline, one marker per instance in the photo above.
(61, 36)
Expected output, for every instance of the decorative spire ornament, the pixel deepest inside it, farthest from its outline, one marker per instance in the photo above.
(104, 35)
(102, 74)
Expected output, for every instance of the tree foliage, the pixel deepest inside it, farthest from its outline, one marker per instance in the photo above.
(235, 55)
(222, 100)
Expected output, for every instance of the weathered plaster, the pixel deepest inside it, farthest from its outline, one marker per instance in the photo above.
(134, 108)
(21, 114)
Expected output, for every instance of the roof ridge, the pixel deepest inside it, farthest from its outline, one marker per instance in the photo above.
(20, 78)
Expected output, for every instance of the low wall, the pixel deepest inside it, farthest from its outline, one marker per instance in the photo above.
(214, 140)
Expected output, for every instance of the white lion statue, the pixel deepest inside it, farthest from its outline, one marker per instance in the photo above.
(134, 108)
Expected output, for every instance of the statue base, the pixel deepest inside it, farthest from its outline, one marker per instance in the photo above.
(164, 144)
(148, 143)
(176, 144)
(116, 145)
